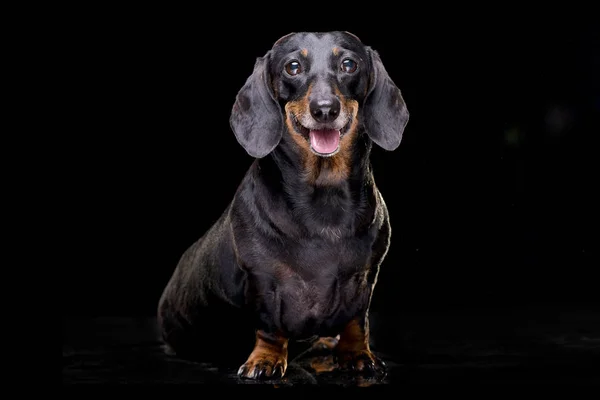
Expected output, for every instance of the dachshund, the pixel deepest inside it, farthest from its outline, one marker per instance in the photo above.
(296, 253)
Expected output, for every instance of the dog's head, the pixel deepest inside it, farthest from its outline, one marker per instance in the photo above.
(320, 87)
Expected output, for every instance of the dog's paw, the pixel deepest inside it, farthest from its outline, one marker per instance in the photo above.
(267, 366)
(363, 362)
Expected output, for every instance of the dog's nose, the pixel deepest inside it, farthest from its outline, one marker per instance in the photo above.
(325, 110)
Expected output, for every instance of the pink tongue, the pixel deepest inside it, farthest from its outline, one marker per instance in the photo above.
(325, 140)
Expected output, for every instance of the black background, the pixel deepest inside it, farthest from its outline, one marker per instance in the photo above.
(490, 193)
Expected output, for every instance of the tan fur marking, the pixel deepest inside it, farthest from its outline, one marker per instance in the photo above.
(298, 108)
(337, 168)
(354, 338)
(353, 347)
(336, 51)
(324, 171)
(266, 351)
(304, 52)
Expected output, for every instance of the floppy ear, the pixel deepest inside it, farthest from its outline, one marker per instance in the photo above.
(385, 113)
(256, 117)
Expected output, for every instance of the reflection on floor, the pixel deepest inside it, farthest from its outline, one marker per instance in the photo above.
(532, 345)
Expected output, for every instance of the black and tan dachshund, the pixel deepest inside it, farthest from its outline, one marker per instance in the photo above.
(297, 252)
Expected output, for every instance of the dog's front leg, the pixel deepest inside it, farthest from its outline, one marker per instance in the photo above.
(268, 359)
(353, 352)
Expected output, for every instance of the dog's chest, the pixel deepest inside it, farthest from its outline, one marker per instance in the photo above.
(316, 290)
(305, 308)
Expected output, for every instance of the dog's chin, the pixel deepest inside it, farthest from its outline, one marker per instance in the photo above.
(322, 142)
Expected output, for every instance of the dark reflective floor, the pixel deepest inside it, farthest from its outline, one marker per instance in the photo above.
(536, 344)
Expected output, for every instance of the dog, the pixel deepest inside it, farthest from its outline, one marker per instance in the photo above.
(296, 253)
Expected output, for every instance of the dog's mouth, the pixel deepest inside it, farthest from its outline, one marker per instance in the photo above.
(324, 142)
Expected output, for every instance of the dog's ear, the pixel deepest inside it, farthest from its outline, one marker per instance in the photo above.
(385, 113)
(256, 118)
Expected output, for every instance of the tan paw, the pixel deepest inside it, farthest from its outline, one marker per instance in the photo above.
(363, 362)
(264, 366)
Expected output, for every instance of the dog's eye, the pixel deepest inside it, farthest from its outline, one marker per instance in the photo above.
(293, 68)
(349, 66)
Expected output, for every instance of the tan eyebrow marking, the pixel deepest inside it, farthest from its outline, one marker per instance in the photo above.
(304, 52)
(336, 51)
